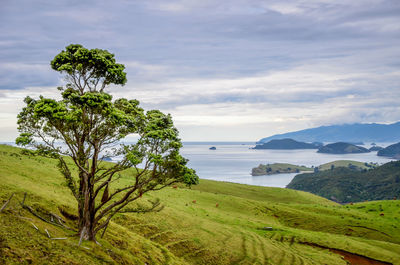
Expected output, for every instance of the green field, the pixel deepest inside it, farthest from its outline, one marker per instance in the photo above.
(251, 225)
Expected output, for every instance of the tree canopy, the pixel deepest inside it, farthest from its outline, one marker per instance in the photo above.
(87, 126)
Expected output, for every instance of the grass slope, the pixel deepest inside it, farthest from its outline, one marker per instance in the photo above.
(348, 185)
(347, 163)
(192, 229)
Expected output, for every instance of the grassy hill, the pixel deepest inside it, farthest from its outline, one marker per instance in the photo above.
(212, 223)
(349, 185)
(356, 165)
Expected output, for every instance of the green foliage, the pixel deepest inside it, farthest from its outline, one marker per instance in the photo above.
(94, 65)
(87, 125)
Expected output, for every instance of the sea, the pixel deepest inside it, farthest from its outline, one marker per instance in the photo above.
(233, 161)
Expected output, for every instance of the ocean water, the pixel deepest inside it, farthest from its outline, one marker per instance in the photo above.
(233, 162)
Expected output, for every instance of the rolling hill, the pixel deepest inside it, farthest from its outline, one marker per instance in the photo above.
(211, 223)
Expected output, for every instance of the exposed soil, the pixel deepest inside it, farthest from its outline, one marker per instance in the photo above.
(355, 259)
(351, 258)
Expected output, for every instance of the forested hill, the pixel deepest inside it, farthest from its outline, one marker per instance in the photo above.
(285, 144)
(347, 185)
(372, 132)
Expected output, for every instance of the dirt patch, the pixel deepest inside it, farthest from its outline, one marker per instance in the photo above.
(355, 259)
(351, 258)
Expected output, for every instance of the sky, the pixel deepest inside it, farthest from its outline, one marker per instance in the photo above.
(236, 70)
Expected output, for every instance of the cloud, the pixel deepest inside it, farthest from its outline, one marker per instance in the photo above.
(242, 68)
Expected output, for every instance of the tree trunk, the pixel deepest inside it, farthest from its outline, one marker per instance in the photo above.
(86, 209)
(88, 229)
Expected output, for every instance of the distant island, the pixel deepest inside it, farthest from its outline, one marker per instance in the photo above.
(277, 168)
(342, 148)
(286, 144)
(344, 184)
(375, 148)
(351, 133)
(391, 151)
(212, 148)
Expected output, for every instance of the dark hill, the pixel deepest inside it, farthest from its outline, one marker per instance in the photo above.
(342, 148)
(391, 151)
(347, 185)
(286, 144)
(375, 148)
(371, 132)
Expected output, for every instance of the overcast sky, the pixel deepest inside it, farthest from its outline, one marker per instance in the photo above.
(226, 70)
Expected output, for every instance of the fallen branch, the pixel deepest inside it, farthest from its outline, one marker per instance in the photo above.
(47, 232)
(25, 218)
(58, 238)
(35, 226)
(32, 211)
(6, 203)
(59, 219)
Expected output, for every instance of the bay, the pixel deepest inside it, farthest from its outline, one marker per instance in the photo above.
(232, 162)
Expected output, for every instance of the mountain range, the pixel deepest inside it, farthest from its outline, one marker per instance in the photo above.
(358, 132)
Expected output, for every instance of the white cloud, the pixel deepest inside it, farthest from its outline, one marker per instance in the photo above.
(240, 69)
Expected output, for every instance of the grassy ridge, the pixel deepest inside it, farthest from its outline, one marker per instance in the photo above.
(192, 229)
(347, 163)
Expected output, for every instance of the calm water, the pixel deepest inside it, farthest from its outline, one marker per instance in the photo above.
(233, 162)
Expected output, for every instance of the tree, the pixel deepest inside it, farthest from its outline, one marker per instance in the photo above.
(87, 126)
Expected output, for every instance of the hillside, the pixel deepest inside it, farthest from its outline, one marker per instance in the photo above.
(342, 148)
(371, 132)
(286, 144)
(212, 223)
(348, 185)
(355, 165)
(390, 151)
